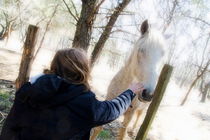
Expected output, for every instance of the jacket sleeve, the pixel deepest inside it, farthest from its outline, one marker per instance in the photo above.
(107, 111)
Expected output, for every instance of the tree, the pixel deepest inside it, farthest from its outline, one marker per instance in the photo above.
(200, 73)
(45, 31)
(7, 26)
(204, 89)
(170, 16)
(202, 69)
(85, 23)
(107, 31)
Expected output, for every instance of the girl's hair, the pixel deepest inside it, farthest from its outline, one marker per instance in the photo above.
(72, 65)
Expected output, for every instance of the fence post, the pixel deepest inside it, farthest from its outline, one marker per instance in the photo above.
(27, 56)
(158, 95)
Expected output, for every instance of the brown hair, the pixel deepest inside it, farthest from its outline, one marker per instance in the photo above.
(72, 65)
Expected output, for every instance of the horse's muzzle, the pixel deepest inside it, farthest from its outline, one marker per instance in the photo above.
(145, 96)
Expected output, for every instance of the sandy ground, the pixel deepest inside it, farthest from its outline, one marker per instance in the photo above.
(172, 122)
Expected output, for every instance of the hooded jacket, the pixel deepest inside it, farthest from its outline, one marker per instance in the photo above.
(54, 109)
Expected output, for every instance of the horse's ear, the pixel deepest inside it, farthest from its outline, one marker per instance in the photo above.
(144, 27)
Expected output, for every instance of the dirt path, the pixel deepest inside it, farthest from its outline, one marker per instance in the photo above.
(9, 64)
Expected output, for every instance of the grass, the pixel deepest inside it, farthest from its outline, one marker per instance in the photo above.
(105, 135)
(5, 104)
(5, 101)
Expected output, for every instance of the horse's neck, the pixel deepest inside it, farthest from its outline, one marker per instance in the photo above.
(132, 67)
(134, 70)
(119, 83)
(124, 75)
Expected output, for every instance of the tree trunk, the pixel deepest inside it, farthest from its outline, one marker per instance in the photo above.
(203, 97)
(27, 56)
(202, 71)
(205, 92)
(158, 95)
(188, 92)
(85, 24)
(105, 35)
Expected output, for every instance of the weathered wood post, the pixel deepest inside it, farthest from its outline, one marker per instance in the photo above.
(27, 56)
(158, 95)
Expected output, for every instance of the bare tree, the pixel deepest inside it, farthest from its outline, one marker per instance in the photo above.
(70, 12)
(204, 88)
(7, 27)
(202, 69)
(85, 23)
(200, 73)
(186, 72)
(45, 31)
(107, 31)
(170, 16)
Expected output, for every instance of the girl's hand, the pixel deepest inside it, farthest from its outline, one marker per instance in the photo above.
(136, 87)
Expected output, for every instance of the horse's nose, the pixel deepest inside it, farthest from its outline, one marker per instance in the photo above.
(145, 96)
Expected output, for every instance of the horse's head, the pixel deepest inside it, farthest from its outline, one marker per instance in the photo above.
(151, 52)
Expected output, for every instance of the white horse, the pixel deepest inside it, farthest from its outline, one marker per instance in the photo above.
(143, 66)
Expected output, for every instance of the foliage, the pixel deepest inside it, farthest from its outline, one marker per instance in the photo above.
(105, 135)
(5, 101)
(5, 105)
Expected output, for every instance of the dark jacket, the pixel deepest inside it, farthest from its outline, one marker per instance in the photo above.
(54, 109)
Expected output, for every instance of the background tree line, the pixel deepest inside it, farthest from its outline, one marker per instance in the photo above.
(110, 27)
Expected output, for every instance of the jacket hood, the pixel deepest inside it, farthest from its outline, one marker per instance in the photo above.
(49, 90)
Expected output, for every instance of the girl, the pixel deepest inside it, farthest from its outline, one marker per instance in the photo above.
(60, 105)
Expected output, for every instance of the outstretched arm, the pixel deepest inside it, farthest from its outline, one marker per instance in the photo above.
(107, 111)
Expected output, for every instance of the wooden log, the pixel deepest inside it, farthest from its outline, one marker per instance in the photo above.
(27, 56)
(158, 95)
